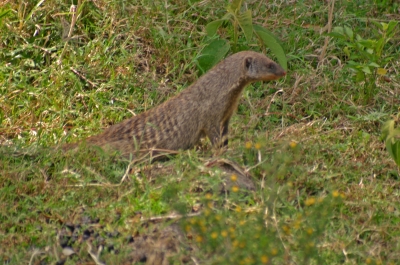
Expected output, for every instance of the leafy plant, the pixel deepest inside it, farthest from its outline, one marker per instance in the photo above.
(391, 136)
(240, 22)
(366, 56)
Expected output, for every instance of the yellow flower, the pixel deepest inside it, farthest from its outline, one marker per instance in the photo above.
(309, 231)
(235, 188)
(264, 259)
(233, 177)
(257, 146)
(199, 239)
(248, 145)
(274, 252)
(335, 193)
(310, 201)
(224, 233)
(214, 235)
(293, 144)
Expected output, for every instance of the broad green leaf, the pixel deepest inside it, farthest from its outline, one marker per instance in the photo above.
(368, 43)
(372, 64)
(246, 24)
(387, 129)
(212, 54)
(338, 30)
(393, 144)
(235, 5)
(391, 27)
(337, 35)
(348, 32)
(360, 76)
(270, 41)
(385, 26)
(212, 27)
(346, 50)
(366, 70)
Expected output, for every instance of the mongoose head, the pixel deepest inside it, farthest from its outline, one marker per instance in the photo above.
(261, 68)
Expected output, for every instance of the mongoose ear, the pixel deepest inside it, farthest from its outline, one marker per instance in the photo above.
(248, 62)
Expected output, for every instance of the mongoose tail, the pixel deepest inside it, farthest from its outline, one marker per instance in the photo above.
(202, 109)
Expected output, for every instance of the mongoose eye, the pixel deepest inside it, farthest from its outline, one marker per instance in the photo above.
(271, 66)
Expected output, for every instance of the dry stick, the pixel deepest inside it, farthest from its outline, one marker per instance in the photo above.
(328, 27)
(73, 10)
(83, 77)
(272, 100)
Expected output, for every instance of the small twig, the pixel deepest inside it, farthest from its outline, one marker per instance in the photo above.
(169, 217)
(83, 77)
(272, 100)
(328, 27)
(94, 256)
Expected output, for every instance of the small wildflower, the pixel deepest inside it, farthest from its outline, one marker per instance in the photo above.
(368, 261)
(207, 212)
(342, 195)
(188, 228)
(218, 217)
(214, 235)
(208, 196)
(257, 146)
(235, 188)
(224, 233)
(286, 229)
(335, 193)
(264, 259)
(274, 252)
(232, 229)
(297, 224)
(233, 177)
(238, 209)
(242, 222)
(210, 205)
(293, 144)
(248, 145)
(309, 231)
(199, 239)
(235, 244)
(310, 201)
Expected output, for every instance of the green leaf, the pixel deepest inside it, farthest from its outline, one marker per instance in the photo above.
(270, 41)
(366, 70)
(391, 27)
(235, 5)
(348, 32)
(337, 35)
(4, 13)
(246, 24)
(212, 27)
(212, 54)
(372, 64)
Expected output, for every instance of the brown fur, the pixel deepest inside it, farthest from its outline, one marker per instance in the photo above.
(203, 109)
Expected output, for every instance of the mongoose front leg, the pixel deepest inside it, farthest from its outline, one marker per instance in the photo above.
(224, 137)
(218, 134)
(214, 134)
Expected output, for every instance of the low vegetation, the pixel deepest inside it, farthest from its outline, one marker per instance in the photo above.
(306, 178)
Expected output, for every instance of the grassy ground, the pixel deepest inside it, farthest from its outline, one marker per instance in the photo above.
(326, 190)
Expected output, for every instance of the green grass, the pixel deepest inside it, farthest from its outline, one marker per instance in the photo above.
(326, 190)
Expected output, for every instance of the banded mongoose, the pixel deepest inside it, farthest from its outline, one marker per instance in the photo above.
(202, 109)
